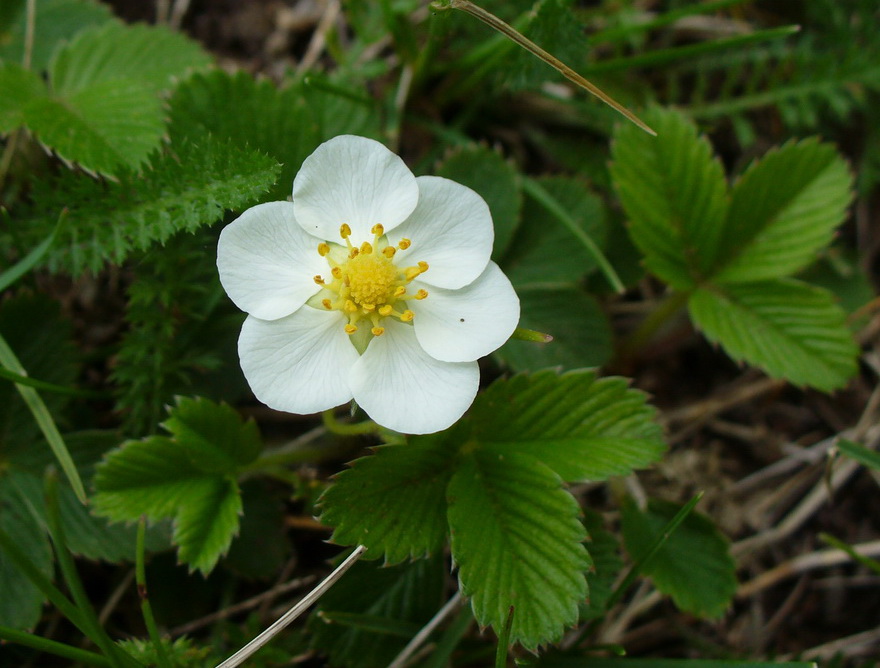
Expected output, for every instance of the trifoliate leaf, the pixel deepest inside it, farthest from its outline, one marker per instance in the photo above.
(544, 251)
(393, 501)
(789, 329)
(783, 211)
(517, 541)
(107, 221)
(249, 114)
(215, 438)
(580, 330)
(18, 89)
(582, 427)
(54, 22)
(693, 566)
(674, 192)
(187, 477)
(149, 55)
(496, 180)
(381, 599)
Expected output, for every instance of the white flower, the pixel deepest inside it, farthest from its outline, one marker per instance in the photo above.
(372, 284)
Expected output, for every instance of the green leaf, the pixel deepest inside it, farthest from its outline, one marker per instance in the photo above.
(395, 596)
(18, 89)
(674, 192)
(544, 252)
(860, 453)
(789, 329)
(496, 180)
(604, 662)
(249, 114)
(55, 21)
(180, 192)
(582, 427)
(694, 565)
(517, 541)
(187, 477)
(103, 128)
(580, 330)
(149, 55)
(215, 438)
(402, 488)
(783, 211)
(604, 549)
(207, 522)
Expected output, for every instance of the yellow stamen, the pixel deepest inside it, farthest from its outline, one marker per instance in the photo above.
(404, 243)
(318, 280)
(344, 231)
(378, 229)
(366, 248)
(368, 307)
(350, 329)
(378, 331)
(389, 251)
(323, 249)
(421, 294)
(350, 306)
(385, 310)
(337, 272)
(411, 272)
(399, 291)
(326, 303)
(423, 266)
(407, 316)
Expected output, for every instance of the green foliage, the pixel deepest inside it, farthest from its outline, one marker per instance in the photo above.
(734, 259)
(188, 476)
(604, 549)
(249, 114)
(693, 566)
(860, 453)
(101, 108)
(108, 221)
(370, 614)
(495, 473)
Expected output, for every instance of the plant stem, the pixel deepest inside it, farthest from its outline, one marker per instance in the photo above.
(348, 429)
(671, 305)
(79, 656)
(140, 575)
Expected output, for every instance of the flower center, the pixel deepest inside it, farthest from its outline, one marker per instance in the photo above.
(367, 284)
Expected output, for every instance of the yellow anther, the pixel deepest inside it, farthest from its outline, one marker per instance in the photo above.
(378, 229)
(421, 294)
(366, 248)
(326, 304)
(318, 280)
(350, 329)
(368, 307)
(423, 267)
(344, 231)
(407, 315)
(389, 251)
(350, 306)
(337, 272)
(378, 331)
(353, 253)
(404, 243)
(323, 249)
(399, 291)
(385, 310)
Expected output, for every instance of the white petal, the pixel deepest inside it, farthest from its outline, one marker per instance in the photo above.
(267, 263)
(353, 180)
(466, 324)
(450, 229)
(298, 364)
(403, 388)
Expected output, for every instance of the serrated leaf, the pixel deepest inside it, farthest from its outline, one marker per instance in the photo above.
(393, 501)
(207, 522)
(104, 127)
(250, 114)
(674, 192)
(604, 549)
(107, 221)
(18, 89)
(213, 435)
(149, 55)
(582, 427)
(544, 252)
(54, 22)
(783, 211)
(694, 565)
(395, 595)
(517, 541)
(496, 180)
(580, 330)
(789, 329)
